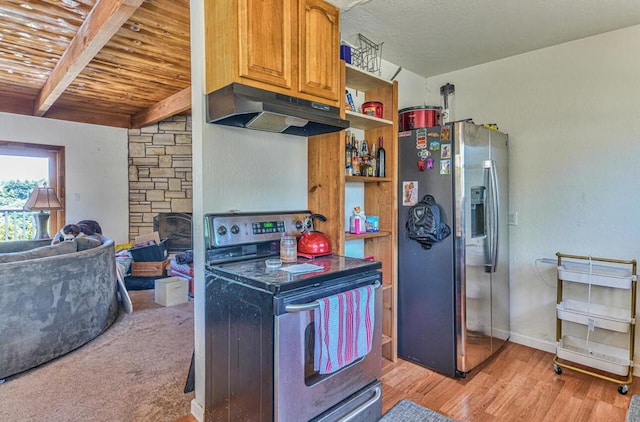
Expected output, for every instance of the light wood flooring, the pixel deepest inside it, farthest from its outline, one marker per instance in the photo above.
(518, 384)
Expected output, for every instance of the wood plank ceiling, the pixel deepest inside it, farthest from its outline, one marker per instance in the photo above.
(121, 63)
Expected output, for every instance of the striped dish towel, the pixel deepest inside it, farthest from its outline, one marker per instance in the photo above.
(344, 328)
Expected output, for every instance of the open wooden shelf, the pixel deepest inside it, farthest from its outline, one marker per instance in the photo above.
(368, 235)
(366, 179)
(360, 80)
(327, 186)
(364, 121)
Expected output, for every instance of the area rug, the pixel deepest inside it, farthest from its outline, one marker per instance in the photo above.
(134, 372)
(141, 283)
(633, 414)
(408, 411)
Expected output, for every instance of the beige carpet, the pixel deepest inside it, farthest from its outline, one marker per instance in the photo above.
(135, 371)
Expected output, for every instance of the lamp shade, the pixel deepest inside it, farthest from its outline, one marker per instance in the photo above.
(43, 198)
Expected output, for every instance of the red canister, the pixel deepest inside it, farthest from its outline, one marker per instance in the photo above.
(420, 116)
(372, 108)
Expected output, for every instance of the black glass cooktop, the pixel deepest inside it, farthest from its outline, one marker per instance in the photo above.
(255, 272)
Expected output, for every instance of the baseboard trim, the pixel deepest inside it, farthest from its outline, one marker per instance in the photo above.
(549, 347)
(535, 343)
(197, 410)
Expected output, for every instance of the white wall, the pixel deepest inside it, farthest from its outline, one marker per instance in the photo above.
(198, 130)
(234, 170)
(573, 115)
(248, 170)
(412, 88)
(96, 167)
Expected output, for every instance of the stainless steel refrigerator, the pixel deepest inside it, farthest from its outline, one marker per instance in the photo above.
(453, 298)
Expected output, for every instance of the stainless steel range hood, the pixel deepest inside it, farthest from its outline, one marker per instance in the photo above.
(244, 106)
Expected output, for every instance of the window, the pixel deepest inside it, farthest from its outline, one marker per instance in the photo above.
(54, 156)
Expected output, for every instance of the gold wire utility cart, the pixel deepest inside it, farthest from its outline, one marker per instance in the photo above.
(590, 291)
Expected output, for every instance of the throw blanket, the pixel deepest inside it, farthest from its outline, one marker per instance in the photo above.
(344, 329)
(185, 258)
(186, 269)
(183, 270)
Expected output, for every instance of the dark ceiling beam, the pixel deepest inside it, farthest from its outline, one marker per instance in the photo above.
(88, 116)
(104, 20)
(175, 104)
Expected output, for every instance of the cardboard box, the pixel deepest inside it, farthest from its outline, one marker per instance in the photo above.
(149, 269)
(171, 291)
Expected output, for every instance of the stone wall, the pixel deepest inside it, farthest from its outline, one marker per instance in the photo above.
(160, 172)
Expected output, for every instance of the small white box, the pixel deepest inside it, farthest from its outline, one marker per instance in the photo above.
(171, 291)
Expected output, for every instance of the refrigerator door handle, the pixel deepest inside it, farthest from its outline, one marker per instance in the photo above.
(491, 251)
(487, 217)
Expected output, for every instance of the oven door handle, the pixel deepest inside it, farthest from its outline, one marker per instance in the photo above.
(376, 396)
(302, 307)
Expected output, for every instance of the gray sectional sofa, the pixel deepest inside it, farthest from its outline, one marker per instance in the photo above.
(53, 299)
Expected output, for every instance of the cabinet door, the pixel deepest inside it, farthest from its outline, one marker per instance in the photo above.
(319, 44)
(265, 41)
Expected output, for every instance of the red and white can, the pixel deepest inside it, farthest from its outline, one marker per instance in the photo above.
(372, 108)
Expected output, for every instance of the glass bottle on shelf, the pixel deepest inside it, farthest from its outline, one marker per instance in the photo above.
(348, 169)
(380, 159)
(373, 159)
(366, 169)
(364, 149)
(364, 157)
(355, 157)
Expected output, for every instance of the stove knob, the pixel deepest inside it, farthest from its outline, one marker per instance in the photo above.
(235, 229)
(222, 230)
(299, 225)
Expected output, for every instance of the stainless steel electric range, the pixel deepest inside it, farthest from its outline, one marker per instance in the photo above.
(259, 341)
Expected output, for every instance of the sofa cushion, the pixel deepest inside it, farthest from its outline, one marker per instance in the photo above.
(41, 252)
(85, 243)
(9, 246)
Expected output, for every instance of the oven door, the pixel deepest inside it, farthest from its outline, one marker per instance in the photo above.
(302, 393)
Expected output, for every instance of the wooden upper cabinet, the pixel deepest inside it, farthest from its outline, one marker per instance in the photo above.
(319, 44)
(286, 46)
(265, 41)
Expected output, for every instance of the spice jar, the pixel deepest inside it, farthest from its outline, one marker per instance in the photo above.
(288, 248)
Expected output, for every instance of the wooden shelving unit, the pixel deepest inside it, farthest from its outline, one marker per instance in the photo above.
(588, 305)
(327, 182)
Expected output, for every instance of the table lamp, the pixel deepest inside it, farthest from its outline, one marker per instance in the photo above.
(42, 199)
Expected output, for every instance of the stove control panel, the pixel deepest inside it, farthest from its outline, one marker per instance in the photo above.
(222, 230)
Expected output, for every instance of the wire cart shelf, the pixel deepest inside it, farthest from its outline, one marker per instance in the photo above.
(368, 56)
(596, 275)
